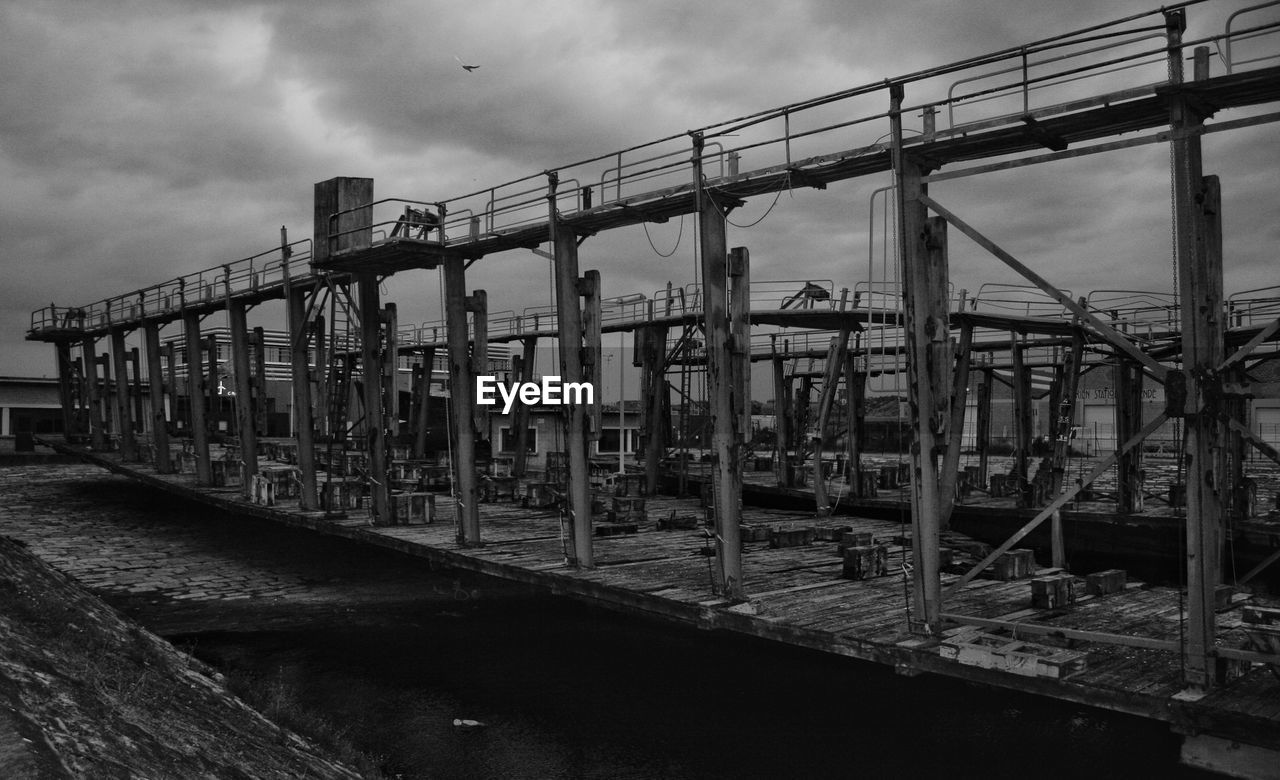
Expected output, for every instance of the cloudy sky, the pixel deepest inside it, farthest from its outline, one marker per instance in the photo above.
(143, 140)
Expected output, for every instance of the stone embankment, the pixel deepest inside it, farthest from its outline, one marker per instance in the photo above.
(86, 693)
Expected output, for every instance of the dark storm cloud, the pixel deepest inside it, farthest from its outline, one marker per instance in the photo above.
(142, 140)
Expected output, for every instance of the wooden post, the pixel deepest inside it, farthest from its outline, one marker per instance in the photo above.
(66, 396)
(830, 381)
(391, 372)
(856, 394)
(258, 349)
(478, 307)
(462, 393)
(725, 466)
(740, 331)
(303, 415)
(213, 385)
(1022, 419)
(196, 398)
(371, 357)
(782, 420)
(97, 428)
(524, 372)
(171, 369)
(238, 316)
(1198, 226)
(982, 425)
(565, 253)
(653, 341)
(422, 409)
(159, 422)
(124, 410)
(959, 401)
(592, 364)
(135, 392)
(924, 274)
(1128, 386)
(1064, 413)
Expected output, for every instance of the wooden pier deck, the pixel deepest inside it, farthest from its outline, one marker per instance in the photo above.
(798, 596)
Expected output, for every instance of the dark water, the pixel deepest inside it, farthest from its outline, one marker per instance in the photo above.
(568, 691)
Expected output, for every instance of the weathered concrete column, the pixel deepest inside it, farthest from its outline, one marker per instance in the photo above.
(248, 436)
(97, 426)
(725, 457)
(375, 425)
(462, 392)
(124, 407)
(303, 415)
(924, 273)
(196, 398)
(569, 314)
(159, 421)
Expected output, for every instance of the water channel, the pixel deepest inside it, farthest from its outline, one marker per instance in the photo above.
(401, 659)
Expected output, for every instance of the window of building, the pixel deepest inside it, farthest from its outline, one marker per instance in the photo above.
(508, 440)
(609, 440)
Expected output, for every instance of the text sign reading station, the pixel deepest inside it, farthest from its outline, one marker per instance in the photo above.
(549, 392)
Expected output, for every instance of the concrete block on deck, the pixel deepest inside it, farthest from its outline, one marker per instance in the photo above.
(790, 537)
(865, 562)
(1014, 565)
(1053, 592)
(1102, 583)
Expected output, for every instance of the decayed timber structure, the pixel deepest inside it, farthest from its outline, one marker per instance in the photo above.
(345, 344)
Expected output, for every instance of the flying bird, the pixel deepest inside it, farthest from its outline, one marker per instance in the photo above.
(465, 66)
